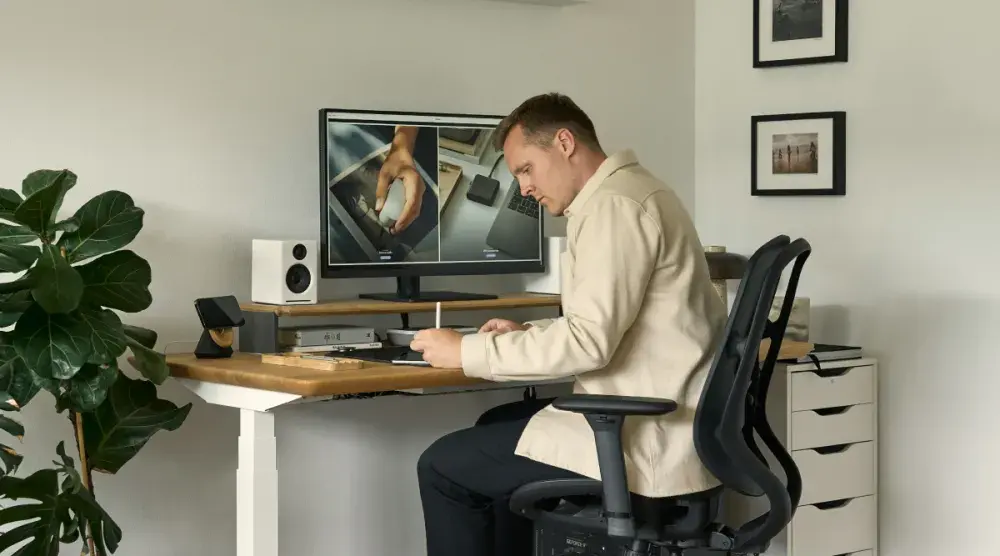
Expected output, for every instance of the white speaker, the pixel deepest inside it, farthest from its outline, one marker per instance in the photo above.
(284, 272)
(549, 281)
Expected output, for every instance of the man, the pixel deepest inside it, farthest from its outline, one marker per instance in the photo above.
(640, 319)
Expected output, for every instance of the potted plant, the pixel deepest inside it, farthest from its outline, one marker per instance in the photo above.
(64, 334)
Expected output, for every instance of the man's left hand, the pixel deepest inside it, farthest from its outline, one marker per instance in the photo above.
(441, 347)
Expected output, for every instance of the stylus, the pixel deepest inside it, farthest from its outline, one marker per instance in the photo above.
(437, 316)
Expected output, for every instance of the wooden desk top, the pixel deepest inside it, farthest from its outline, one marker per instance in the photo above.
(246, 369)
(371, 306)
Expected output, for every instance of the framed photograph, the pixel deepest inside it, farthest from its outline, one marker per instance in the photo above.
(798, 154)
(799, 32)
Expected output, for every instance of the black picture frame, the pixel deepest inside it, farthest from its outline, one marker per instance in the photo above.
(840, 39)
(837, 159)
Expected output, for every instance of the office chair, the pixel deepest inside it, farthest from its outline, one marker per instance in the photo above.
(603, 517)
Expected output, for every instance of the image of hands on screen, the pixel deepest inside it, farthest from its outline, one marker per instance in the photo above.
(382, 201)
(400, 193)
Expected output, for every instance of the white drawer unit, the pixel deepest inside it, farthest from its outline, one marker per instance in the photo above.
(828, 420)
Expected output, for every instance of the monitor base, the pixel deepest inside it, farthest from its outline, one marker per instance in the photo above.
(408, 291)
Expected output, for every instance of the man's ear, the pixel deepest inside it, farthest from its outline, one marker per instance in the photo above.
(565, 142)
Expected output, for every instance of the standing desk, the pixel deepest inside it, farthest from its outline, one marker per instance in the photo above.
(256, 388)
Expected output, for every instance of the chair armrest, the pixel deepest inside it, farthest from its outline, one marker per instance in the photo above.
(614, 405)
(606, 415)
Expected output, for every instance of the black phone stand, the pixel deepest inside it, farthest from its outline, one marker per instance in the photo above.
(219, 316)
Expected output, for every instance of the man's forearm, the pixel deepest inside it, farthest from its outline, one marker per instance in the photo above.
(560, 349)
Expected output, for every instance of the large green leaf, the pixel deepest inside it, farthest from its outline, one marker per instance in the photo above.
(57, 287)
(17, 258)
(116, 431)
(40, 179)
(107, 337)
(68, 225)
(53, 516)
(21, 284)
(118, 280)
(9, 201)
(12, 305)
(15, 302)
(88, 388)
(9, 425)
(107, 222)
(15, 378)
(38, 211)
(10, 459)
(152, 364)
(52, 345)
(16, 234)
(144, 336)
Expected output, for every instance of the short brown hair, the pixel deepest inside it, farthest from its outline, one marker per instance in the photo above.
(541, 116)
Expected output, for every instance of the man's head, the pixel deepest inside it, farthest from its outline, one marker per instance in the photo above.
(551, 148)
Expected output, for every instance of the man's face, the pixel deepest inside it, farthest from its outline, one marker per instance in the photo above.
(543, 173)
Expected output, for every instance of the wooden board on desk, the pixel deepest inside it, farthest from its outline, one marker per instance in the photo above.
(448, 178)
(316, 362)
(249, 370)
(371, 306)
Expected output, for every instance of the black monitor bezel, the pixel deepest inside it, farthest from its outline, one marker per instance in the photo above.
(388, 270)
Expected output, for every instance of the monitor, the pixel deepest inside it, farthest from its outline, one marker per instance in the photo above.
(472, 218)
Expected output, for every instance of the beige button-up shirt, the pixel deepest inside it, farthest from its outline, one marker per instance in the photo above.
(640, 318)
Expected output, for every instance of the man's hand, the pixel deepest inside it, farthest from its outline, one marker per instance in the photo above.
(399, 164)
(502, 326)
(441, 347)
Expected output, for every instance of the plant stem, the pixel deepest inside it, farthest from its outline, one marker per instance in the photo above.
(84, 473)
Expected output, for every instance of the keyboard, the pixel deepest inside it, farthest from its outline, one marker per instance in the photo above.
(524, 205)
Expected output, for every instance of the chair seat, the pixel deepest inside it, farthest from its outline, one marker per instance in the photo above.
(577, 505)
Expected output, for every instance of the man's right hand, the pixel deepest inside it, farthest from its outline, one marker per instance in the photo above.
(501, 326)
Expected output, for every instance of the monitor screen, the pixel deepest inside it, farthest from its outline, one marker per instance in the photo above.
(471, 218)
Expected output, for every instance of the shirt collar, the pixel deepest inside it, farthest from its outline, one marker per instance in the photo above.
(612, 164)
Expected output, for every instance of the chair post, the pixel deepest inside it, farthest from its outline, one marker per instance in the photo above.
(611, 460)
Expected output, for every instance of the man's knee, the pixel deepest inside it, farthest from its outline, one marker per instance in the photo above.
(435, 458)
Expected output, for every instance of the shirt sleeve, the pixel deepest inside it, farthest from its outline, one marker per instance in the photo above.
(617, 247)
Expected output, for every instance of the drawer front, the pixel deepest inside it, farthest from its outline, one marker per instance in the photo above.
(847, 528)
(833, 387)
(832, 426)
(846, 473)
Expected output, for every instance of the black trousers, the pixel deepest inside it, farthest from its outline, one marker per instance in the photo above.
(466, 479)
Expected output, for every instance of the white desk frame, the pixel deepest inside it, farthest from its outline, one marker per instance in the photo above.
(257, 467)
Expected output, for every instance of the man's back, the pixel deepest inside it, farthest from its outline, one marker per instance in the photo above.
(664, 344)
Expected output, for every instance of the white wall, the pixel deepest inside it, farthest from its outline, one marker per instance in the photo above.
(205, 112)
(906, 263)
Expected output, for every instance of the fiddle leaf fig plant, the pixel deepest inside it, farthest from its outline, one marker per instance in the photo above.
(71, 281)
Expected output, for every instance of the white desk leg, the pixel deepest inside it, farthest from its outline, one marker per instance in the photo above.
(257, 486)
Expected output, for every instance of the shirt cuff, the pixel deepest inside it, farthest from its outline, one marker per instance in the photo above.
(475, 362)
(540, 323)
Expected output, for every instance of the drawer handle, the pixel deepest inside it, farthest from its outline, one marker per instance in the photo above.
(826, 411)
(833, 504)
(830, 373)
(836, 448)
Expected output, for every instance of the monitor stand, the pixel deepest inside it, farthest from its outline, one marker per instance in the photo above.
(408, 291)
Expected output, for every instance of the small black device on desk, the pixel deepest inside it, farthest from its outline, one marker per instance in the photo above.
(391, 355)
(483, 190)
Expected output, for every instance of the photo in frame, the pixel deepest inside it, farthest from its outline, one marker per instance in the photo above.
(798, 154)
(799, 32)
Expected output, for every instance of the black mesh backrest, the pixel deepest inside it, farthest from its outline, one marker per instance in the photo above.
(732, 405)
